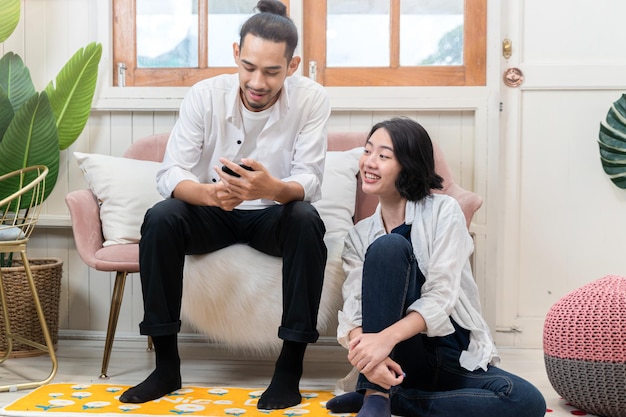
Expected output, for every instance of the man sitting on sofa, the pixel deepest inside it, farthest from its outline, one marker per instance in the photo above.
(275, 124)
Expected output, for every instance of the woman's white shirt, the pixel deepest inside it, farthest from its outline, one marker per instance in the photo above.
(442, 247)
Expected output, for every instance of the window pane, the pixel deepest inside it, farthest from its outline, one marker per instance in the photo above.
(431, 32)
(224, 21)
(357, 33)
(167, 33)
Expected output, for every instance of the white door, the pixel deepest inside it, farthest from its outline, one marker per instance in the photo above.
(561, 222)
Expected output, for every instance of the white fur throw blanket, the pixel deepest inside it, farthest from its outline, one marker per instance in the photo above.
(234, 295)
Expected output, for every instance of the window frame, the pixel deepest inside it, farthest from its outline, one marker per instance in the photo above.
(313, 27)
(472, 73)
(125, 51)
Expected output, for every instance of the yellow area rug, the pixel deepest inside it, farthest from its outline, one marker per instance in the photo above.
(102, 400)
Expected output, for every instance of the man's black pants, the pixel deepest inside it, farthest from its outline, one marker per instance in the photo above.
(173, 229)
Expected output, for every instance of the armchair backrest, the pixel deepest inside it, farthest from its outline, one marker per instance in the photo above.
(149, 148)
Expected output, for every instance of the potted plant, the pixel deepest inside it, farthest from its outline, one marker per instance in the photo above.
(36, 126)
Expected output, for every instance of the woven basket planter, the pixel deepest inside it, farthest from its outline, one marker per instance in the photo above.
(584, 343)
(47, 273)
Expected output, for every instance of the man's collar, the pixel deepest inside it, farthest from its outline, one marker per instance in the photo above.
(234, 98)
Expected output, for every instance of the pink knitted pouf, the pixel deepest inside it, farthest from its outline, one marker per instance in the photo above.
(584, 344)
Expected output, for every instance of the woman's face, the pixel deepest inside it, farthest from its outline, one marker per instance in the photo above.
(379, 166)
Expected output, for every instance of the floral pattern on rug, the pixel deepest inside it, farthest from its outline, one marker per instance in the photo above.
(103, 399)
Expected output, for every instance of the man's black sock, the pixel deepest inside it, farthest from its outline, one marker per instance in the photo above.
(284, 390)
(166, 376)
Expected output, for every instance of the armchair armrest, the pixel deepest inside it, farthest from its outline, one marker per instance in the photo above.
(86, 224)
(469, 201)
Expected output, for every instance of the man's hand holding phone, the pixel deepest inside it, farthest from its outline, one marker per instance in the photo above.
(229, 171)
(245, 180)
(255, 182)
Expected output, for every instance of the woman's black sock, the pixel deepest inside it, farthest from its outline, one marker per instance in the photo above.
(166, 376)
(350, 402)
(375, 406)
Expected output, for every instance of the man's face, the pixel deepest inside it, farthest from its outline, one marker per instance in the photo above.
(262, 68)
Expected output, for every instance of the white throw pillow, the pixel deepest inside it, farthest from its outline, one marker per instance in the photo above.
(125, 188)
(339, 191)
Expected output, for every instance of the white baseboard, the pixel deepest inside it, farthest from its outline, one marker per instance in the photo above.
(97, 335)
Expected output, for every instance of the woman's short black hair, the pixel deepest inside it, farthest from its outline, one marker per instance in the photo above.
(272, 24)
(413, 149)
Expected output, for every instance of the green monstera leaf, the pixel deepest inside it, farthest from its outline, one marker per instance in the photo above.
(612, 142)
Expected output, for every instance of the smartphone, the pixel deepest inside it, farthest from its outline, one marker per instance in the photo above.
(233, 173)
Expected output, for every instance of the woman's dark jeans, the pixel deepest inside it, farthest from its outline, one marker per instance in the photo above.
(435, 383)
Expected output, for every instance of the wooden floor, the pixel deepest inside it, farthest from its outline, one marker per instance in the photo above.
(205, 364)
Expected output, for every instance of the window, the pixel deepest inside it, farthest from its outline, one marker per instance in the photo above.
(344, 42)
(175, 42)
(396, 42)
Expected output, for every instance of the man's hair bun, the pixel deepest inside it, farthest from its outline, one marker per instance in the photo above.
(272, 6)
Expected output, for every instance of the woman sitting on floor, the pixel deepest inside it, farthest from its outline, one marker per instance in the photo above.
(411, 318)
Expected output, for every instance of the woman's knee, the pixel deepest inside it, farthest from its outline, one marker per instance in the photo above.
(391, 247)
(390, 257)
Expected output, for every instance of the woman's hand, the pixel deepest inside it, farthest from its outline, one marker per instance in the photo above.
(387, 374)
(368, 350)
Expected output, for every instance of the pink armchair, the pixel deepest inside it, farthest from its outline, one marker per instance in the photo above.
(121, 259)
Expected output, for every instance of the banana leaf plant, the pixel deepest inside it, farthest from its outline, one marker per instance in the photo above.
(36, 126)
(612, 142)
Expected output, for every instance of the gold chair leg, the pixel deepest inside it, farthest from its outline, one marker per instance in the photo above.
(114, 313)
(7, 324)
(48, 347)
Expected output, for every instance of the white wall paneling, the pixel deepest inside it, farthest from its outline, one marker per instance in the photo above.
(561, 224)
(86, 293)
(461, 120)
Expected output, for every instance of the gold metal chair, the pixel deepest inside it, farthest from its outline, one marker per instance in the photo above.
(19, 212)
